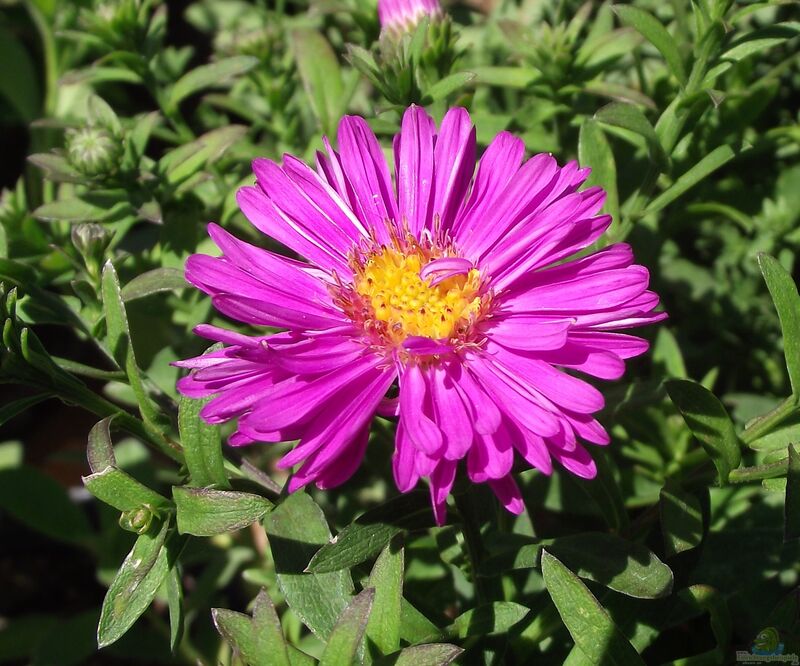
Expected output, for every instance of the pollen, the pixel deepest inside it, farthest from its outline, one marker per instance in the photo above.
(405, 304)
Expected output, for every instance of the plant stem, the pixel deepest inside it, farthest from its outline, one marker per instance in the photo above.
(764, 424)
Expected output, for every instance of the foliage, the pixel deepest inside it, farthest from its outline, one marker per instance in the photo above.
(141, 118)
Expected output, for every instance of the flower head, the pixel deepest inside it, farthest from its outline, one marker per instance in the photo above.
(450, 287)
(401, 16)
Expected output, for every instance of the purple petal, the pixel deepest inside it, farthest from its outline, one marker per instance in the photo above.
(454, 157)
(365, 165)
(414, 168)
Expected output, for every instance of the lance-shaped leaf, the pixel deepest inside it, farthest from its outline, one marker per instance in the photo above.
(681, 519)
(321, 76)
(705, 167)
(709, 422)
(594, 151)
(434, 654)
(134, 586)
(590, 626)
(345, 639)
(629, 117)
(651, 29)
(183, 162)
(787, 302)
(448, 85)
(494, 618)
(621, 565)
(214, 75)
(152, 282)
(296, 530)
(100, 449)
(175, 605)
(371, 531)
(118, 341)
(202, 445)
(383, 629)
(259, 640)
(120, 490)
(206, 512)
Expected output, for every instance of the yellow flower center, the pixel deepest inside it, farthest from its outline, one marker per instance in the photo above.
(409, 305)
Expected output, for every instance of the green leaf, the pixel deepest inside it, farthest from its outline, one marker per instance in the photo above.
(414, 626)
(787, 302)
(258, 640)
(506, 77)
(651, 29)
(448, 85)
(119, 343)
(296, 530)
(590, 626)
(268, 631)
(120, 490)
(706, 166)
(180, 164)
(777, 439)
(214, 75)
(84, 209)
(681, 519)
(386, 579)
(16, 407)
(761, 40)
(791, 518)
(594, 151)
(134, 587)
(56, 167)
(41, 503)
(321, 76)
(206, 512)
(100, 450)
(19, 84)
(619, 564)
(494, 618)
(345, 639)
(709, 422)
(434, 654)
(202, 445)
(667, 352)
(152, 282)
(630, 118)
(369, 533)
(175, 605)
(99, 112)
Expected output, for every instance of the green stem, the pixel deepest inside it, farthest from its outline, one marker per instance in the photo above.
(758, 472)
(764, 424)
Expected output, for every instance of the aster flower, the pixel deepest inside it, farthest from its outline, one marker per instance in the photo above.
(400, 16)
(446, 300)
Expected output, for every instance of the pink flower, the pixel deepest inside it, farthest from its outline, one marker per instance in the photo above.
(400, 16)
(453, 285)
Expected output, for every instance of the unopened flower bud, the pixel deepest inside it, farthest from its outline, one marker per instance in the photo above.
(137, 520)
(398, 17)
(91, 240)
(93, 151)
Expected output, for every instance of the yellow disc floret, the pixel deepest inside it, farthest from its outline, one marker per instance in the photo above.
(407, 304)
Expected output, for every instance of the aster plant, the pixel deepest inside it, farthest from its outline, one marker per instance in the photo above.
(412, 396)
(455, 288)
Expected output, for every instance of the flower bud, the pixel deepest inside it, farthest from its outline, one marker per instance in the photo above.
(137, 520)
(91, 240)
(94, 151)
(398, 17)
